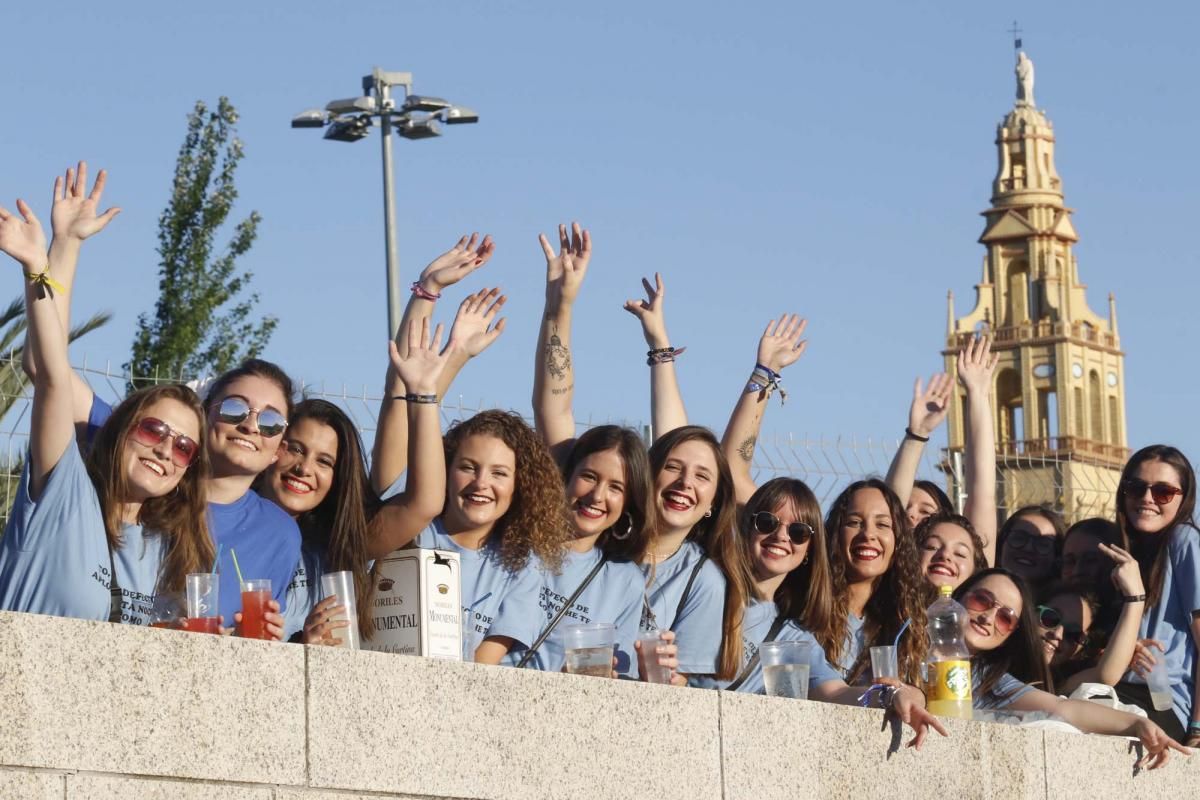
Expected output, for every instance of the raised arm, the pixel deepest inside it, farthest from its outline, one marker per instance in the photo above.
(52, 429)
(928, 409)
(1114, 661)
(976, 366)
(666, 403)
(404, 516)
(389, 455)
(779, 347)
(553, 367)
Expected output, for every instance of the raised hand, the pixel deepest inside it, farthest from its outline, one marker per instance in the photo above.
(650, 313)
(780, 345)
(930, 404)
(977, 364)
(565, 271)
(1126, 575)
(22, 237)
(74, 212)
(1157, 743)
(467, 255)
(423, 365)
(473, 330)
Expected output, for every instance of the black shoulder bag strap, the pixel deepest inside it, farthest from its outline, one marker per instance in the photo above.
(114, 588)
(545, 634)
(747, 670)
(687, 590)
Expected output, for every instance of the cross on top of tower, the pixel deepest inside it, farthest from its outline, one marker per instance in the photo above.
(1016, 32)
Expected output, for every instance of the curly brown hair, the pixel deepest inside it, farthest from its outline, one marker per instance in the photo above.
(537, 522)
(897, 597)
(925, 529)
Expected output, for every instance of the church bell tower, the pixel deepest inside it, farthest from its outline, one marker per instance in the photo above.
(1058, 401)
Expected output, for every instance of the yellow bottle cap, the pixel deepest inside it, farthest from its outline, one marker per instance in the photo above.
(945, 590)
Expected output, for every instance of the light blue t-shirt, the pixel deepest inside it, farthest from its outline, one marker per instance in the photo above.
(1170, 621)
(614, 595)
(854, 644)
(265, 538)
(756, 624)
(698, 628)
(496, 602)
(1002, 695)
(304, 591)
(54, 554)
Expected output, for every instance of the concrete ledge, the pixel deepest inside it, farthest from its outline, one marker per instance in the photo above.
(32, 785)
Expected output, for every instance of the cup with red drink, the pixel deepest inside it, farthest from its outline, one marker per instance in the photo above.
(256, 594)
(203, 612)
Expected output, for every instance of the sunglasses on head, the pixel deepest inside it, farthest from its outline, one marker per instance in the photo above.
(1024, 540)
(153, 432)
(234, 410)
(767, 523)
(1050, 617)
(1161, 493)
(982, 601)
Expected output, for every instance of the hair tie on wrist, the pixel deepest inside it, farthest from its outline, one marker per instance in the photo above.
(44, 282)
(663, 355)
(424, 293)
(1134, 598)
(420, 399)
(908, 434)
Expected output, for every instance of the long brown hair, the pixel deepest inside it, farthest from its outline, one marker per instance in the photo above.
(897, 597)
(925, 528)
(629, 537)
(181, 515)
(537, 521)
(804, 595)
(1021, 653)
(1151, 550)
(717, 535)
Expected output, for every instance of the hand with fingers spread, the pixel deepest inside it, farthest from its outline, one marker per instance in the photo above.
(467, 255)
(566, 270)
(325, 623)
(74, 214)
(908, 704)
(781, 345)
(1143, 659)
(930, 404)
(1157, 743)
(1127, 574)
(22, 237)
(423, 365)
(475, 326)
(976, 365)
(650, 313)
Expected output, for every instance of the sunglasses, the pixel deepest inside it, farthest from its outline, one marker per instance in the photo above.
(1161, 493)
(153, 432)
(767, 523)
(1050, 617)
(234, 410)
(1023, 540)
(982, 601)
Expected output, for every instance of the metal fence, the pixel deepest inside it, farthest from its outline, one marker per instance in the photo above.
(826, 463)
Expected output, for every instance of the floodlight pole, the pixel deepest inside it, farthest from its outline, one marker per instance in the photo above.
(382, 82)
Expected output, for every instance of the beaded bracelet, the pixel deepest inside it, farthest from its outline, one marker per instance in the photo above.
(422, 399)
(423, 293)
(663, 355)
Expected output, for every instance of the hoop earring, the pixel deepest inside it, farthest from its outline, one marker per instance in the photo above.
(708, 513)
(628, 529)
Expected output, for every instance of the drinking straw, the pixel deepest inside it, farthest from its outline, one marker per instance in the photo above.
(233, 554)
(217, 559)
(896, 643)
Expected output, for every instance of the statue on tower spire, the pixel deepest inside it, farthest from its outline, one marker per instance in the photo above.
(1024, 80)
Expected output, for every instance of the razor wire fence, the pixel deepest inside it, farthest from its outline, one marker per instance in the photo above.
(826, 463)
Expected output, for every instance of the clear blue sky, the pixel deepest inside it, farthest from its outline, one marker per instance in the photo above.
(829, 159)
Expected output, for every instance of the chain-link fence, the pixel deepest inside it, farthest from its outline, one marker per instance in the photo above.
(827, 464)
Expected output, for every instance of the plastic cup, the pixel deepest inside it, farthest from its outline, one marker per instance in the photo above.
(203, 610)
(785, 667)
(341, 586)
(653, 673)
(168, 611)
(255, 596)
(1159, 683)
(589, 648)
(883, 662)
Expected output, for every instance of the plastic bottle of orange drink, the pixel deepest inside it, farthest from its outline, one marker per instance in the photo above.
(948, 681)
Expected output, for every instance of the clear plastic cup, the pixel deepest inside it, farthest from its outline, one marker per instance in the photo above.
(786, 667)
(653, 673)
(883, 662)
(202, 607)
(255, 596)
(341, 586)
(589, 648)
(1159, 683)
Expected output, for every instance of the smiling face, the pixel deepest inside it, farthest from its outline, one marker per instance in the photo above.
(596, 493)
(867, 538)
(920, 505)
(1029, 548)
(149, 469)
(481, 480)
(686, 485)
(774, 554)
(947, 555)
(1144, 514)
(239, 448)
(1061, 643)
(300, 479)
(981, 632)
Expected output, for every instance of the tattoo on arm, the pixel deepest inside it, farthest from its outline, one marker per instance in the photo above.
(746, 449)
(558, 355)
(563, 390)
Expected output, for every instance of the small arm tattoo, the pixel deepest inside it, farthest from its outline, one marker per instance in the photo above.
(746, 449)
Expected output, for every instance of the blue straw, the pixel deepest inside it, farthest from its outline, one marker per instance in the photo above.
(903, 628)
(218, 559)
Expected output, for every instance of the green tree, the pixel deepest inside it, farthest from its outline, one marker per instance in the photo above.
(202, 322)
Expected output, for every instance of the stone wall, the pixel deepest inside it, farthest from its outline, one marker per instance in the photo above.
(93, 711)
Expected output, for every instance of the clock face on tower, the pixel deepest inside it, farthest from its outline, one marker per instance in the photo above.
(1111, 378)
(1077, 370)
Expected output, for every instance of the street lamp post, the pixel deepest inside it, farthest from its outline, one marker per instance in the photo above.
(419, 117)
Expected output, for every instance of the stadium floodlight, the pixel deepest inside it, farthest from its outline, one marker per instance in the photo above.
(459, 115)
(349, 129)
(419, 129)
(419, 102)
(313, 118)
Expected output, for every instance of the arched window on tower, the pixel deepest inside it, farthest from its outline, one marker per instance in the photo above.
(1080, 422)
(1114, 419)
(1018, 293)
(1096, 397)
(1008, 403)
